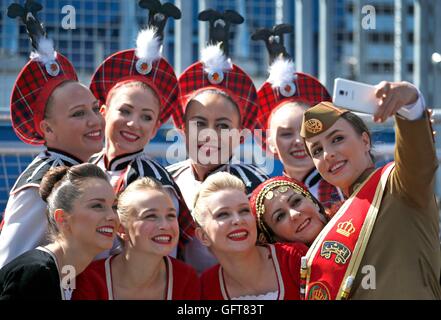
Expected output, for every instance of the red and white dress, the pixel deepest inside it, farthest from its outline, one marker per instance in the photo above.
(286, 260)
(126, 168)
(95, 283)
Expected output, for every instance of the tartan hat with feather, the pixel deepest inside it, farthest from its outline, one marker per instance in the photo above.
(46, 70)
(216, 71)
(144, 64)
(284, 84)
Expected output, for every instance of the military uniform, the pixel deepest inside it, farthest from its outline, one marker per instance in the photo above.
(404, 245)
(395, 253)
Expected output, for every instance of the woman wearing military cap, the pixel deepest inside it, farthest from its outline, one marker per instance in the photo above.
(389, 225)
(48, 107)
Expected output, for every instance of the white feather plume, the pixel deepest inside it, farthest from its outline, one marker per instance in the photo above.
(281, 72)
(148, 45)
(45, 52)
(214, 59)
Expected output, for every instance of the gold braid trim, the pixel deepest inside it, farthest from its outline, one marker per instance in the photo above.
(267, 193)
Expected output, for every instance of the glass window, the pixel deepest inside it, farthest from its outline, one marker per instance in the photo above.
(102, 6)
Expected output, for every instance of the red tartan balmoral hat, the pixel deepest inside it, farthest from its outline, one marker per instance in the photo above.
(144, 64)
(284, 85)
(216, 71)
(37, 80)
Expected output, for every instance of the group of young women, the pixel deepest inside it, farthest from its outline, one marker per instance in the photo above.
(87, 221)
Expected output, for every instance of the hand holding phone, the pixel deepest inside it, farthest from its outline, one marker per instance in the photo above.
(361, 97)
(355, 96)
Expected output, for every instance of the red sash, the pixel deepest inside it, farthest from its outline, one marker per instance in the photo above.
(335, 255)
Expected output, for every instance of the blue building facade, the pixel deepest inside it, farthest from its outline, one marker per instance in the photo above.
(103, 27)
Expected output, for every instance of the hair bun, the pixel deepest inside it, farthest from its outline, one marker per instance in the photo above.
(50, 179)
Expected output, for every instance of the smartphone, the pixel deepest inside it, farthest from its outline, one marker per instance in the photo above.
(355, 96)
(360, 97)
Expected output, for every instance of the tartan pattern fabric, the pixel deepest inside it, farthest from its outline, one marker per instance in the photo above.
(329, 197)
(31, 91)
(308, 89)
(121, 66)
(236, 83)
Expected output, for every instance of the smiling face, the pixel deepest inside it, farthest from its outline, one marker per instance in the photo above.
(72, 121)
(285, 140)
(209, 119)
(292, 217)
(131, 118)
(340, 154)
(93, 222)
(228, 224)
(153, 226)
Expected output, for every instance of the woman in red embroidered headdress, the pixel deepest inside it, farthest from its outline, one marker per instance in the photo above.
(227, 227)
(286, 211)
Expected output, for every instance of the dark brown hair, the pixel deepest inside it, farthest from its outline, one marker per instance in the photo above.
(220, 93)
(61, 186)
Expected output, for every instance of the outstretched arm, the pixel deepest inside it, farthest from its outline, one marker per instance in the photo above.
(415, 154)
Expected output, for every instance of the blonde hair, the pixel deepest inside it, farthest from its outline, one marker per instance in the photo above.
(214, 183)
(125, 209)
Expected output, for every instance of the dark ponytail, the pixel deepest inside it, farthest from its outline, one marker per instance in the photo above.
(50, 179)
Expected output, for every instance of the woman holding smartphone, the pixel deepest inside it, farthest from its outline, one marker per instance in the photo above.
(390, 221)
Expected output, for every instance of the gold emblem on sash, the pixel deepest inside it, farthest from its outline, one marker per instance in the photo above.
(318, 291)
(342, 253)
(314, 126)
(346, 228)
